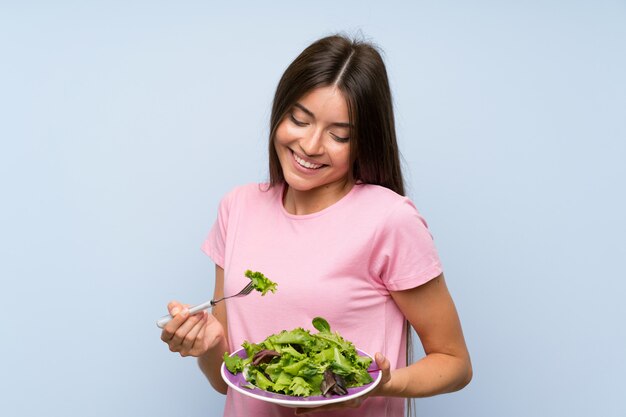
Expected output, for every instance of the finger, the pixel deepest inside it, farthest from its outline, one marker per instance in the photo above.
(174, 331)
(174, 307)
(169, 330)
(199, 342)
(385, 366)
(211, 333)
(381, 361)
(192, 335)
(185, 327)
(205, 338)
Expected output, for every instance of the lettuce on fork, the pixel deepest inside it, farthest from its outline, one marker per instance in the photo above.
(260, 282)
(301, 363)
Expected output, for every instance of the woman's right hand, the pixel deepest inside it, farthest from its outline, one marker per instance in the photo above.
(191, 335)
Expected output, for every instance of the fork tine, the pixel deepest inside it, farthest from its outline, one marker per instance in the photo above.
(247, 289)
(244, 291)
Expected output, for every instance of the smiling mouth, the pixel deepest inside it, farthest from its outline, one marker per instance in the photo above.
(304, 163)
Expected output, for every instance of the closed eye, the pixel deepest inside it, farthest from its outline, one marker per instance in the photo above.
(340, 140)
(302, 124)
(296, 121)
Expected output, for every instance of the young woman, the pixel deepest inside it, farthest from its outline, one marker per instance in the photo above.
(334, 230)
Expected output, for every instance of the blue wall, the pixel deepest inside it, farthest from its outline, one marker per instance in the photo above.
(123, 123)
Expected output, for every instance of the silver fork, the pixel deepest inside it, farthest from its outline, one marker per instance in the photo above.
(195, 309)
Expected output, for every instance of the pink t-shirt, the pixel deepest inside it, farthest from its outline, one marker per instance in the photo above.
(339, 263)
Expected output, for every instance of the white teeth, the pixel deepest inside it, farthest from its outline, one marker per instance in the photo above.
(305, 163)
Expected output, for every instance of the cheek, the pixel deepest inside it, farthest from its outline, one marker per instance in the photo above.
(283, 134)
(342, 155)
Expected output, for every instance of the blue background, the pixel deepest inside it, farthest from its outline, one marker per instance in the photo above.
(123, 124)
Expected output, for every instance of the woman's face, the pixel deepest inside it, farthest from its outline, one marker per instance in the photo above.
(313, 143)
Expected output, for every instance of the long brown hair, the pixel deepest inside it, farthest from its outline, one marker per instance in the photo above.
(357, 69)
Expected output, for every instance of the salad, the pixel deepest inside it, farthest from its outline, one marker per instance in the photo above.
(301, 363)
(260, 282)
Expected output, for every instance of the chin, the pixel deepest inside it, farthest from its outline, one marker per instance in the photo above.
(299, 184)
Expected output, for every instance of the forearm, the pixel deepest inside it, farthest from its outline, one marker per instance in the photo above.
(210, 364)
(434, 374)
(447, 366)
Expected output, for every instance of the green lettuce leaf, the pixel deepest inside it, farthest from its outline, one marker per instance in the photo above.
(260, 282)
(321, 324)
(233, 363)
(300, 388)
(262, 382)
(304, 357)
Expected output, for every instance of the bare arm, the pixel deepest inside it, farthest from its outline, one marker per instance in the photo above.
(203, 335)
(211, 362)
(446, 366)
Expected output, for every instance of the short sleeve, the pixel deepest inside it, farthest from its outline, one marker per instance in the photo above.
(404, 253)
(215, 244)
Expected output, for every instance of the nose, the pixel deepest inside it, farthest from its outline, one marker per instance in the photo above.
(311, 144)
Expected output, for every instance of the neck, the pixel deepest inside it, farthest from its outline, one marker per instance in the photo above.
(301, 202)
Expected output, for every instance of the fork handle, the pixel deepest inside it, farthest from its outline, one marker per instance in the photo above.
(193, 310)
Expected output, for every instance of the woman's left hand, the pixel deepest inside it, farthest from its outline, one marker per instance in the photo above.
(383, 365)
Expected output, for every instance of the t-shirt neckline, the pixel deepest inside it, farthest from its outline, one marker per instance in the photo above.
(328, 209)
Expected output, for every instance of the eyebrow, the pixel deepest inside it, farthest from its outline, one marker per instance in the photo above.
(310, 113)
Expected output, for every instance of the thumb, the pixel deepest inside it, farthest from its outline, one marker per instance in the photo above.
(382, 362)
(384, 365)
(174, 307)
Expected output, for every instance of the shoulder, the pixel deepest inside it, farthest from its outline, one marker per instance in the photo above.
(251, 192)
(389, 207)
(381, 199)
(377, 191)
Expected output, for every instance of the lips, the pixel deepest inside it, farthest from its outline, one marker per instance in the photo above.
(304, 163)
